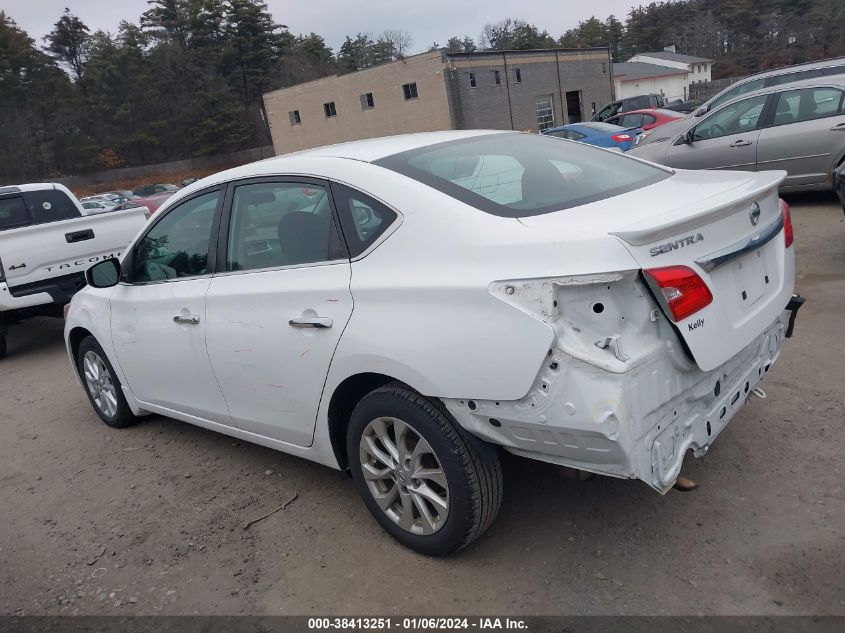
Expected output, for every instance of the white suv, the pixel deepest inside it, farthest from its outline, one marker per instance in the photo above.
(406, 307)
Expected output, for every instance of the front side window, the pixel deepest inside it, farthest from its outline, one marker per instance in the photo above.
(519, 175)
(177, 245)
(609, 110)
(741, 89)
(807, 104)
(410, 91)
(631, 120)
(276, 224)
(362, 217)
(734, 118)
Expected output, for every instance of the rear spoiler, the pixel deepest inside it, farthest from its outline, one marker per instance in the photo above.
(701, 212)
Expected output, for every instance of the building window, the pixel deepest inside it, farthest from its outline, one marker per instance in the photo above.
(367, 102)
(472, 80)
(518, 75)
(293, 115)
(497, 77)
(604, 68)
(545, 112)
(410, 91)
(329, 109)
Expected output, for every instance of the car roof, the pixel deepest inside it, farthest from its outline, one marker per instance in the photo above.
(774, 72)
(835, 81)
(372, 149)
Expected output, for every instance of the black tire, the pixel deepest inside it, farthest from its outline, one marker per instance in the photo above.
(122, 416)
(471, 467)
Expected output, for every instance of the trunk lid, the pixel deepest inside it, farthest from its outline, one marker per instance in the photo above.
(703, 220)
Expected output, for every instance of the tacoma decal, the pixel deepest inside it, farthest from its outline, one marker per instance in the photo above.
(83, 262)
(689, 240)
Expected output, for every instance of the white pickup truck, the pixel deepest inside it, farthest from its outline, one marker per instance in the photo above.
(46, 243)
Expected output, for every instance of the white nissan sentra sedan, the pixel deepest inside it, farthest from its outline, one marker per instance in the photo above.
(408, 307)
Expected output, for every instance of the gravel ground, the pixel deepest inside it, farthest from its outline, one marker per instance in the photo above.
(149, 520)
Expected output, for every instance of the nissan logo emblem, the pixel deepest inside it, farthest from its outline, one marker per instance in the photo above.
(754, 214)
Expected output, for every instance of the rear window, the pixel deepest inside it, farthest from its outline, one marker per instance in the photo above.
(36, 207)
(520, 175)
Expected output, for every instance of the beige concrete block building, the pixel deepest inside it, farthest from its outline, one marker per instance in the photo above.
(436, 90)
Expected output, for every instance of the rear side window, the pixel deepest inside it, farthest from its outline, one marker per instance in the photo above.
(13, 213)
(519, 175)
(362, 218)
(807, 104)
(572, 135)
(36, 207)
(734, 118)
(277, 224)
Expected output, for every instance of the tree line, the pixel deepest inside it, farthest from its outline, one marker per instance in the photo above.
(186, 78)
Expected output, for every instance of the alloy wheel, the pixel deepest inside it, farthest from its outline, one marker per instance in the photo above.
(404, 475)
(99, 383)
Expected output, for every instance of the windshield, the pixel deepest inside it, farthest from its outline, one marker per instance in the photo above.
(519, 175)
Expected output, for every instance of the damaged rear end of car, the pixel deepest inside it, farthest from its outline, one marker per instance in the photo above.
(652, 361)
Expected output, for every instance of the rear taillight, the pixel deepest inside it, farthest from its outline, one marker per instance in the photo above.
(788, 235)
(621, 138)
(679, 289)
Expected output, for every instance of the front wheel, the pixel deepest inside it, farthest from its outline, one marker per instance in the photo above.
(102, 384)
(429, 484)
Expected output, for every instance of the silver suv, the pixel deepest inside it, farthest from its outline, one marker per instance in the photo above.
(776, 77)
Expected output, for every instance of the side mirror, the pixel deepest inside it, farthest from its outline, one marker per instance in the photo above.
(686, 138)
(104, 274)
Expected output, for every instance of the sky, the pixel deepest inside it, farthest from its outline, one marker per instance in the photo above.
(428, 21)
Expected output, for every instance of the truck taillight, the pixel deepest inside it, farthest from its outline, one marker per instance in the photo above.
(679, 289)
(788, 235)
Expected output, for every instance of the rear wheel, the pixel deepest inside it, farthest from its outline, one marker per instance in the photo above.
(432, 486)
(102, 385)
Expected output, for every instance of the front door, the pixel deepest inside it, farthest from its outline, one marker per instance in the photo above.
(573, 106)
(726, 139)
(279, 305)
(806, 135)
(158, 313)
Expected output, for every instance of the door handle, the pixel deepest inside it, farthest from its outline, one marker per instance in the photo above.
(187, 320)
(840, 127)
(79, 236)
(740, 143)
(321, 323)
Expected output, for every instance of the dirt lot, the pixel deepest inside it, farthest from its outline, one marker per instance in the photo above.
(166, 502)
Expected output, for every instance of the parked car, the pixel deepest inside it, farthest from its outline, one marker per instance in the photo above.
(775, 77)
(645, 119)
(106, 200)
(439, 297)
(93, 207)
(46, 243)
(684, 107)
(797, 127)
(598, 134)
(151, 203)
(640, 102)
(151, 190)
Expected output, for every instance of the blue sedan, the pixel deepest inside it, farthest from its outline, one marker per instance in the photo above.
(598, 134)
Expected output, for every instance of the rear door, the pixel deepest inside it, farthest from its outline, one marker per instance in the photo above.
(278, 305)
(724, 139)
(806, 134)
